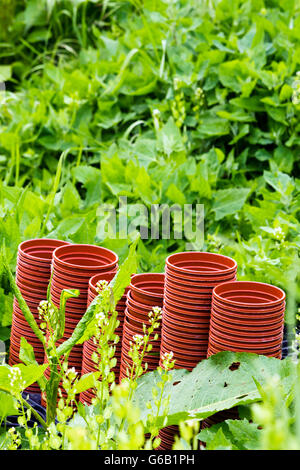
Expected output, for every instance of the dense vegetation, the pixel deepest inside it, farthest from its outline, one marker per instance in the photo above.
(177, 102)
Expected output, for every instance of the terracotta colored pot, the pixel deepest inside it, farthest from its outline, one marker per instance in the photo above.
(247, 345)
(185, 295)
(247, 309)
(180, 306)
(32, 273)
(29, 248)
(197, 277)
(245, 335)
(181, 337)
(252, 317)
(187, 315)
(201, 262)
(274, 294)
(28, 267)
(83, 258)
(178, 330)
(245, 328)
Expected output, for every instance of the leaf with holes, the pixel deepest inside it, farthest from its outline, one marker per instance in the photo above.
(219, 383)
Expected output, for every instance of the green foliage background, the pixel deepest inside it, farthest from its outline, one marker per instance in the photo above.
(160, 101)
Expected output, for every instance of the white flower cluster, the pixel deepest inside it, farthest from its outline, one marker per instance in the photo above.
(16, 380)
(100, 286)
(45, 309)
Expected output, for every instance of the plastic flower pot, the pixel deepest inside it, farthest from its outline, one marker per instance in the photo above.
(175, 304)
(80, 258)
(139, 306)
(25, 265)
(204, 311)
(188, 301)
(246, 327)
(181, 356)
(206, 263)
(147, 288)
(188, 289)
(33, 274)
(28, 247)
(248, 344)
(179, 329)
(247, 309)
(197, 279)
(274, 295)
(253, 318)
(185, 295)
(235, 333)
(200, 286)
(190, 348)
(181, 336)
(191, 323)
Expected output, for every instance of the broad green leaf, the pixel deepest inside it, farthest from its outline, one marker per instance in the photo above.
(28, 357)
(28, 374)
(86, 381)
(221, 382)
(229, 201)
(8, 405)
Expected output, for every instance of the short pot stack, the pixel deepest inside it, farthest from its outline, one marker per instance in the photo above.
(32, 277)
(189, 281)
(245, 317)
(72, 268)
(90, 347)
(145, 292)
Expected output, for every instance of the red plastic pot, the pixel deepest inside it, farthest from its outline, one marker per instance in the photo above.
(186, 296)
(175, 304)
(28, 247)
(247, 309)
(82, 258)
(147, 288)
(241, 336)
(242, 317)
(201, 262)
(188, 289)
(25, 265)
(179, 330)
(248, 344)
(177, 335)
(183, 314)
(32, 273)
(179, 321)
(251, 328)
(198, 277)
(262, 289)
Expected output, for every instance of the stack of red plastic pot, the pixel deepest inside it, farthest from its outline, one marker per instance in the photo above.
(189, 281)
(245, 317)
(90, 346)
(32, 278)
(72, 268)
(145, 292)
